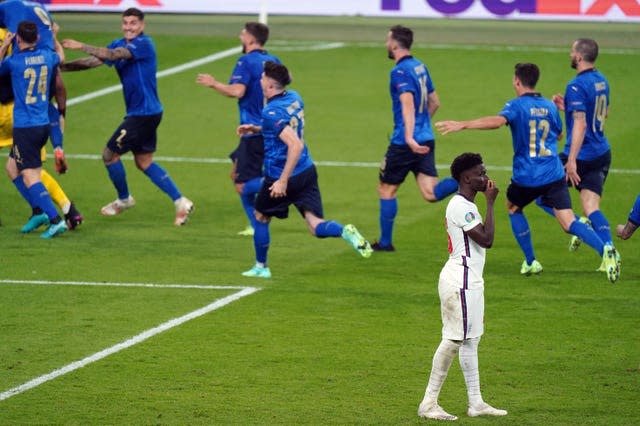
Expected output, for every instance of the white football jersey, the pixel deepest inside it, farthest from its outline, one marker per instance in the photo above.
(466, 257)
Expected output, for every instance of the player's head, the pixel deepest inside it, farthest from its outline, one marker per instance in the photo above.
(398, 38)
(526, 75)
(275, 77)
(132, 23)
(28, 32)
(584, 49)
(257, 30)
(468, 169)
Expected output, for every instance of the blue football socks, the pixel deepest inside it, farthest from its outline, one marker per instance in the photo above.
(22, 189)
(118, 176)
(520, 228)
(388, 212)
(444, 188)
(329, 229)
(600, 224)
(162, 180)
(248, 198)
(261, 240)
(40, 197)
(587, 234)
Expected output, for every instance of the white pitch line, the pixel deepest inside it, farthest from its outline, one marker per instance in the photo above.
(365, 164)
(243, 291)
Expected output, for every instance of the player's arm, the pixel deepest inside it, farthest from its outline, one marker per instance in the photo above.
(577, 138)
(102, 53)
(235, 90)
(483, 233)
(484, 123)
(6, 43)
(433, 103)
(409, 120)
(295, 146)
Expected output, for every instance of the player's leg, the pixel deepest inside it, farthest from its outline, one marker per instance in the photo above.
(40, 197)
(442, 359)
(118, 177)
(38, 217)
(610, 263)
(590, 201)
(393, 171)
(261, 237)
(469, 366)
(518, 197)
(248, 159)
(117, 145)
(424, 168)
(453, 313)
(304, 193)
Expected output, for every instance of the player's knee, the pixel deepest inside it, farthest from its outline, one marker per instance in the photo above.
(108, 156)
(239, 188)
(260, 217)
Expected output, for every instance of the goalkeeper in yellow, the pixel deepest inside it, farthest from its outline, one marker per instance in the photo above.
(38, 218)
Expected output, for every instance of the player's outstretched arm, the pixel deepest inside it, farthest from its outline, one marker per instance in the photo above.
(484, 123)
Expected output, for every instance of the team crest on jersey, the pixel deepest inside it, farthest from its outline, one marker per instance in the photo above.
(469, 217)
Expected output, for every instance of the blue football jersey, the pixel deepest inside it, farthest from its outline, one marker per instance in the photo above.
(12, 12)
(588, 92)
(31, 71)
(248, 71)
(411, 75)
(138, 76)
(535, 126)
(286, 109)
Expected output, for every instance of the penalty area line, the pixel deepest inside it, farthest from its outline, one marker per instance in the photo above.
(217, 304)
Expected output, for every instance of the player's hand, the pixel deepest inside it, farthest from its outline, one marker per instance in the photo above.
(417, 148)
(206, 80)
(558, 99)
(571, 170)
(72, 44)
(246, 129)
(278, 189)
(445, 127)
(8, 38)
(491, 191)
(60, 161)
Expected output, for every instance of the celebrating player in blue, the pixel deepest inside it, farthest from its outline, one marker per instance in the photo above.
(244, 84)
(31, 70)
(537, 171)
(13, 12)
(134, 58)
(587, 153)
(412, 149)
(290, 175)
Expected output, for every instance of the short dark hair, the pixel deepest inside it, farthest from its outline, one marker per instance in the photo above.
(403, 35)
(28, 31)
(464, 162)
(528, 74)
(588, 48)
(259, 31)
(277, 72)
(134, 11)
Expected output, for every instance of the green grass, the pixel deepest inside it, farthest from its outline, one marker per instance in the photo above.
(331, 338)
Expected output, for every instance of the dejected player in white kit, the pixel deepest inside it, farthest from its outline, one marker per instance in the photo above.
(461, 288)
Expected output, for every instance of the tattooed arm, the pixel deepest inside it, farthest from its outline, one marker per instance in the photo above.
(98, 55)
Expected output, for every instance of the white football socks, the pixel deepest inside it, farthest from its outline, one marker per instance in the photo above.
(469, 366)
(446, 352)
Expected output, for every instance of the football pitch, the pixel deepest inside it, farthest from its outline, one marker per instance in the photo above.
(130, 320)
